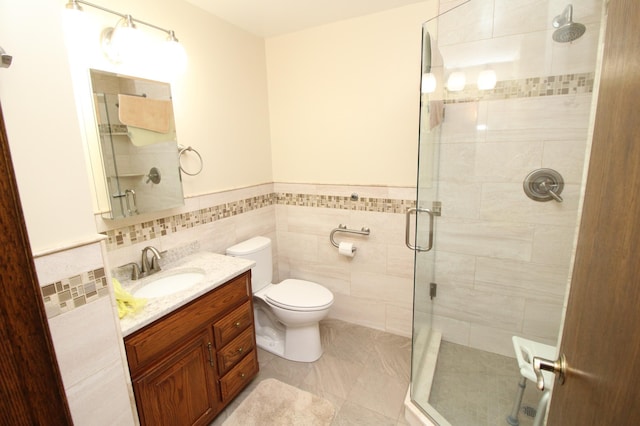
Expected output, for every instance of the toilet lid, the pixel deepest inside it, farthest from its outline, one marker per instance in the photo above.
(299, 295)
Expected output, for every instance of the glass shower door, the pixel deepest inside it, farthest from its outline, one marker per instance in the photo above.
(426, 212)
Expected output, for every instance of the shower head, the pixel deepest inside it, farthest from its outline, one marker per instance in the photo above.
(567, 30)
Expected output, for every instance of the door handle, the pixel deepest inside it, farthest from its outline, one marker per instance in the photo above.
(558, 367)
(407, 229)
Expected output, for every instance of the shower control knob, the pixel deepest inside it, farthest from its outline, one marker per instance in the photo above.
(544, 185)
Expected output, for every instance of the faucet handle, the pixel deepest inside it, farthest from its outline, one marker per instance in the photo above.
(155, 265)
(135, 271)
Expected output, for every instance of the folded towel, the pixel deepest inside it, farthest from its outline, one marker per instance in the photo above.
(142, 137)
(436, 113)
(127, 304)
(150, 114)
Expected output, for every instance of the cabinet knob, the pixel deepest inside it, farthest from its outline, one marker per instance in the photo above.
(242, 375)
(237, 324)
(240, 350)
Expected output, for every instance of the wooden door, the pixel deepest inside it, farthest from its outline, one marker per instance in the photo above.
(181, 389)
(31, 390)
(601, 336)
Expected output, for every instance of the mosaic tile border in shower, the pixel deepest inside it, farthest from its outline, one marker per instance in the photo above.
(553, 85)
(145, 231)
(106, 129)
(70, 293)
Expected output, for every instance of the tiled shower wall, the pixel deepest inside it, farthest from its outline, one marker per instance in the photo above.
(503, 260)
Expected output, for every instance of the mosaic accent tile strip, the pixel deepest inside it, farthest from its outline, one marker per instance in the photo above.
(70, 293)
(106, 129)
(145, 231)
(381, 205)
(554, 85)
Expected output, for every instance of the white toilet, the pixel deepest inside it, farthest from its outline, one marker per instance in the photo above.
(286, 314)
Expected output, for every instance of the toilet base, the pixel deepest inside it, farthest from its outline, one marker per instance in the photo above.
(301, 344)
(276, 347)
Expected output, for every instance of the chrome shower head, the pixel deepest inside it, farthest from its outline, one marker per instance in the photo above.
(567, 30)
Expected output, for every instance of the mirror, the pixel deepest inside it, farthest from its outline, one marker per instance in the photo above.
(136, 165)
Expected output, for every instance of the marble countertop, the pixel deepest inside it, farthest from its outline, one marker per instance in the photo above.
(217, 268)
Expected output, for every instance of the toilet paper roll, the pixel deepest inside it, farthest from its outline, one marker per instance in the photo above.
(346, 249)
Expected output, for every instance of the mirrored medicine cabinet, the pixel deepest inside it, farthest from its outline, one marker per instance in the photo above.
(135, 162)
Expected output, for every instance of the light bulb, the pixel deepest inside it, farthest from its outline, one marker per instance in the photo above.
(175, 53)
(428, 83)
(123, 43)
(456, 81)
(487, 80)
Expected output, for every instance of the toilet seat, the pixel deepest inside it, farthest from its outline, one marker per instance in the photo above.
(299, 295)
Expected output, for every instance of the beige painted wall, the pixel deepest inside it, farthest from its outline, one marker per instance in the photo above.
(42, 125)
(346, 96)
(223, 89)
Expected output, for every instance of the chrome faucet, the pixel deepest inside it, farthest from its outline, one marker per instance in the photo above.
(155, 266)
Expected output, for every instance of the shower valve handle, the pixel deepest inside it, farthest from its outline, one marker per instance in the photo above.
(551, 189)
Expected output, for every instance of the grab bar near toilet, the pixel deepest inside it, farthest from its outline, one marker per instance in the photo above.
(343, 228)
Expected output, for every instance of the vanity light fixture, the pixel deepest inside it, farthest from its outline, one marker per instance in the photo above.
(123, 40)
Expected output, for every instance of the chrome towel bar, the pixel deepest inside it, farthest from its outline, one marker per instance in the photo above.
(343, 228)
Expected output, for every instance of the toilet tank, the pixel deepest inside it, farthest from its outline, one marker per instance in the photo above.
(257, 249)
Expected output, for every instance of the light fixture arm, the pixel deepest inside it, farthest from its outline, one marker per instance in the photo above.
(75, 5)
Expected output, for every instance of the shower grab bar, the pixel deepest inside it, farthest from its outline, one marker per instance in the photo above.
(343, 228)
(408, 228)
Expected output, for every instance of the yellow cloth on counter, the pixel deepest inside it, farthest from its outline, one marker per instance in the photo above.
(127, 304)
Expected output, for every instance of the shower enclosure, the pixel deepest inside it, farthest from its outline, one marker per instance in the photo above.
(507, 94)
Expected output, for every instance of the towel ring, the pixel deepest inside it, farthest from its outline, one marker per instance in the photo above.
(182, 151)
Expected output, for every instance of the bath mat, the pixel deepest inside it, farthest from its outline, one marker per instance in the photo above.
(275, 403)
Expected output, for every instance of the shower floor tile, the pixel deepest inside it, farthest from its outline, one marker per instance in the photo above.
(477, 388)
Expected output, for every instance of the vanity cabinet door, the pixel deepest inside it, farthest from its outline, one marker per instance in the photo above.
(181, 389)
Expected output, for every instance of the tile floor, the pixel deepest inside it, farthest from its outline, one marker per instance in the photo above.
(365, 374)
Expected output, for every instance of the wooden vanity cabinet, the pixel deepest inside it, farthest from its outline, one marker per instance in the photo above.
(188, 365)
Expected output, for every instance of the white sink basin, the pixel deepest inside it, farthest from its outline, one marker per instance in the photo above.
(169, 284)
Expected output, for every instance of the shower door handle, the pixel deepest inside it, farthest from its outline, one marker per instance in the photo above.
(408, 227)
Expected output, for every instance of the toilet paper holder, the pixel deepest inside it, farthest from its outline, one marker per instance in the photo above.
(343, 228)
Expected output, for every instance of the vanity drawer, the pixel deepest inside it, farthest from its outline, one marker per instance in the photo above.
(235, 350)
(233, 324)
(239, 376)
(156, 339)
